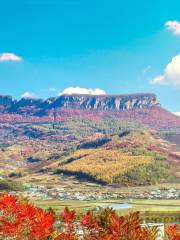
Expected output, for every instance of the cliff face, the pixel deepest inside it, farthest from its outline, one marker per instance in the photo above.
(141, 108)
(106, 102)
(6, 102)
(100, 102)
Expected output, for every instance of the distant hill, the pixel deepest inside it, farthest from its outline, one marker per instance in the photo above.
(79, 101)
(99, 146)
(143, 108)
(133, 157)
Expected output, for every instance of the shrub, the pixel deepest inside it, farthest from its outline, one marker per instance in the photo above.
(8, 185)
(20, 220)
(173, 232)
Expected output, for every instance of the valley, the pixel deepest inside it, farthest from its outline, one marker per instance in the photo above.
(81, 157)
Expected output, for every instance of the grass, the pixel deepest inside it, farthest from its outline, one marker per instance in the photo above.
(158, 211)
(58, 206)
(153, 206)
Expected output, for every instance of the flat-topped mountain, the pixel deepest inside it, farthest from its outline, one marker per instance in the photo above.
(107, 102)
(79, 101)
(141, 107)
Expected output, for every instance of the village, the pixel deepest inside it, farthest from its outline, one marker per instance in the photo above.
(60, 193)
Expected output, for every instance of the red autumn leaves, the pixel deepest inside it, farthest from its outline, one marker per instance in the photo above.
(20, 220)
(173, 232)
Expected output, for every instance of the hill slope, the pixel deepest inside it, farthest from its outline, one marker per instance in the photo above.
(141, 108)
(111, 132)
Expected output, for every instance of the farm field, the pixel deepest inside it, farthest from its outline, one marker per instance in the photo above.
(137, 205)
(150, 210)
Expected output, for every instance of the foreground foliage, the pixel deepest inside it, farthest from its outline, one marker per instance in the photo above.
(19, 220)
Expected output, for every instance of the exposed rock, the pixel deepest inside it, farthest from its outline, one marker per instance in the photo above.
(5, 103)
(33, 106)
(106, 102)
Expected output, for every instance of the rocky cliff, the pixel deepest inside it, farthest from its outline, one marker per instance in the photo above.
(142, 108)
(76, 101)
(106, 102)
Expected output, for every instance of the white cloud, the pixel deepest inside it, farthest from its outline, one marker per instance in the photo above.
(28, 95)
(171, 75)
(173, 26)
(78, 90)
(177, 113)
(5, 57)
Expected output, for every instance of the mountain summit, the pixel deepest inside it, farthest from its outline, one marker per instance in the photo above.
(80, 101)
(143, 108)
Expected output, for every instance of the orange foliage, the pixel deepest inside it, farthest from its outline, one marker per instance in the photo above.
(20, 220)
(173, 232)
(102, 164)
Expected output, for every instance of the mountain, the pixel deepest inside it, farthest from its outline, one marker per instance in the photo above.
(78, 101)
(106, 102)
(71, 134)
(143, 108)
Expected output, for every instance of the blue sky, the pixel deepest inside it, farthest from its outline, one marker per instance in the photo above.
(118, 46)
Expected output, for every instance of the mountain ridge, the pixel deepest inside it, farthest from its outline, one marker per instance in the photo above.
(143, 108)
(81, 101)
